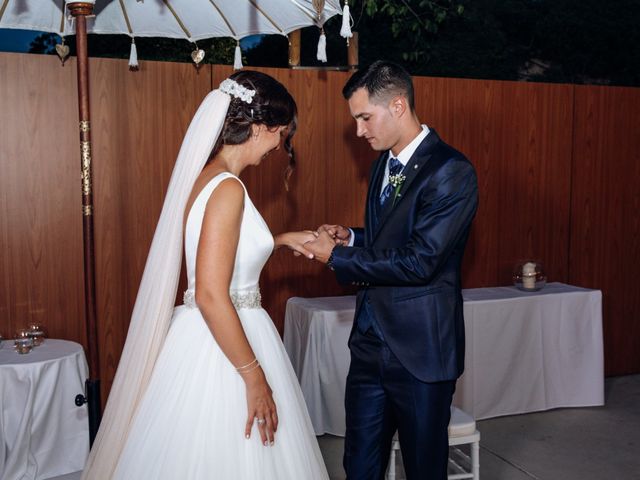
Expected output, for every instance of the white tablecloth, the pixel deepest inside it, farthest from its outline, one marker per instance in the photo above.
(42, 432)
(526, 351)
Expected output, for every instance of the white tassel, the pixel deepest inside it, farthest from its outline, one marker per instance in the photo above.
(133, 57)
(322, 48)
(237, 58)
(345, 31)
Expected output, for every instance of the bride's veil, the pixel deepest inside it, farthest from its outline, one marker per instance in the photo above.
(155, 301)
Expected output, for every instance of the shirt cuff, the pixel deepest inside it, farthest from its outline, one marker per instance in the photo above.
(352, 238)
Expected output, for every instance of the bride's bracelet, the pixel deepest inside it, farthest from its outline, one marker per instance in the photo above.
(255, 360)
(250, 369)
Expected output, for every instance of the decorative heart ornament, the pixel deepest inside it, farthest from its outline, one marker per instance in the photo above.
(197, 56)
(63, 51)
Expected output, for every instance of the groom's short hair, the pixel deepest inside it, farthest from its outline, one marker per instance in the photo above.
(382, 80)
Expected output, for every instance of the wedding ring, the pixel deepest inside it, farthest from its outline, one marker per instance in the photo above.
(261, 421)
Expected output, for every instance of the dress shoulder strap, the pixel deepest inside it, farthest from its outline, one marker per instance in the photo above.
(201, 200)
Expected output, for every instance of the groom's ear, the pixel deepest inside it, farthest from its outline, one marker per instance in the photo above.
(399, 106)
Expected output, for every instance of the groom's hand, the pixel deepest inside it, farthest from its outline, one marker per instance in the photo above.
(322, 246)
(339, 233)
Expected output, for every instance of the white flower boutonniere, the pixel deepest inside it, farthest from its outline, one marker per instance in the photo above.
(396, 182)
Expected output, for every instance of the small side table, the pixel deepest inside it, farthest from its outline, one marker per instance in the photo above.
(42, 432)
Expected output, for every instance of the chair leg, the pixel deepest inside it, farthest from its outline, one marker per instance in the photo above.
(475, 460)
(391, 470)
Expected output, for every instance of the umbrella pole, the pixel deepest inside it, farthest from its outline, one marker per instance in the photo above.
(80, 10)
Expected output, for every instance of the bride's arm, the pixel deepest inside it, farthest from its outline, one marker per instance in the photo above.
(295, 241)
(214, 268)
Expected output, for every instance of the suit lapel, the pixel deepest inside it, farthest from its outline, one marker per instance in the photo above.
(417, 161)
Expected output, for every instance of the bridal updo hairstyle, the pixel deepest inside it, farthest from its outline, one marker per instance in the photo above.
(271, 106)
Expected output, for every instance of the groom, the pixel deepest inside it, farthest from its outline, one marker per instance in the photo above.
(407, 343)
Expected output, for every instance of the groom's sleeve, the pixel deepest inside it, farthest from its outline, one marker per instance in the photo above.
(357, 237)
(443, 219)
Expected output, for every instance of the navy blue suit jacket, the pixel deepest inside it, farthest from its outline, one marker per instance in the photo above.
(408, 261)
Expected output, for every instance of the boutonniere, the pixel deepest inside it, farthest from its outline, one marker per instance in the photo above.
(396, 182)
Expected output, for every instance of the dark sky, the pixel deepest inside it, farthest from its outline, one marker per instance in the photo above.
(16, 40)
(12, 40)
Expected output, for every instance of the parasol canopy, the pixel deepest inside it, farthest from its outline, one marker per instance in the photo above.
(185, 19)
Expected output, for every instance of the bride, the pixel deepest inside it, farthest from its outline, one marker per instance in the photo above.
(206, 390)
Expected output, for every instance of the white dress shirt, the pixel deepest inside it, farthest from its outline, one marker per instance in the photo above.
(405, 154)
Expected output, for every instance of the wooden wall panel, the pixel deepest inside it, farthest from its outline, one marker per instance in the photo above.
(138, 123)
(464, 114)
(605, 215)
(40, 197)
(520, 153)
(516, 136)
(580, 218)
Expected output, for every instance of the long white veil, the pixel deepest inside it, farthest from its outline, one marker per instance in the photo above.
(155, 301)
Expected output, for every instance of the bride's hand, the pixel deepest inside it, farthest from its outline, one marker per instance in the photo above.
(296, 241)
(261, 408)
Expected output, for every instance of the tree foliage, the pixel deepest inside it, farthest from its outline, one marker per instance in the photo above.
(413, 23)
(589, 42)
(574, 41)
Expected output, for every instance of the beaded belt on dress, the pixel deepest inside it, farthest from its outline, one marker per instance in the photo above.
(239, 298)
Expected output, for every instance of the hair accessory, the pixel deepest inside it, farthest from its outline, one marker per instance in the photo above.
(233, 88)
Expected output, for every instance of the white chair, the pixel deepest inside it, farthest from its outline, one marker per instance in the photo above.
(462, 431)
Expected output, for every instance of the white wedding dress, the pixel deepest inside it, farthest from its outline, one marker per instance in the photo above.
(190, 422)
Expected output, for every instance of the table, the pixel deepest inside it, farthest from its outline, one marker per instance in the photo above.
(526, 351)
(42, 432)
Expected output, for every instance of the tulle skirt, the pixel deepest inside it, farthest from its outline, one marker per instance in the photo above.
(190, 423)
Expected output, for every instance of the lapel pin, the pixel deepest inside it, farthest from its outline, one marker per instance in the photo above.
(415, 167)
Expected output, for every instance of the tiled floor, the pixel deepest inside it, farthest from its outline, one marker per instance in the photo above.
(565, 444)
